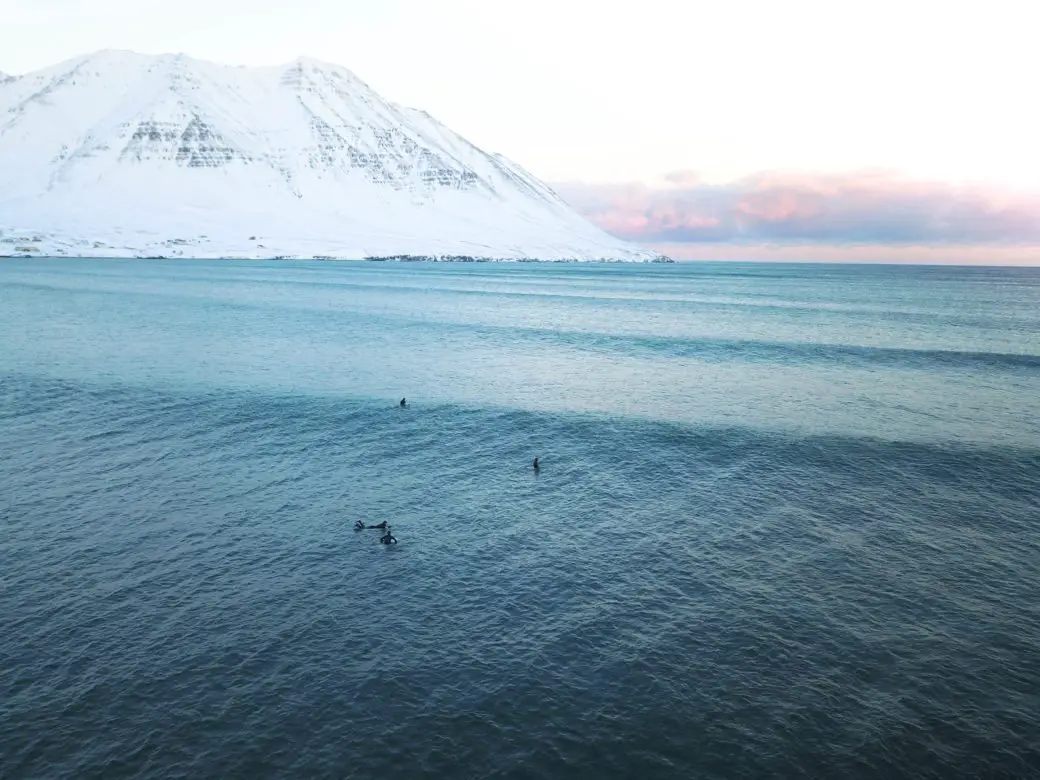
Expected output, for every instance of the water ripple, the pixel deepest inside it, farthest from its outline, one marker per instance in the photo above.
(182, 593)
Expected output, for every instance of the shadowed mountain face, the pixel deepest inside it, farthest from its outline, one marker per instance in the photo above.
(134, 152)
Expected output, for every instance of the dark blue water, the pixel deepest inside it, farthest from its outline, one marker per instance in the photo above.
(787, 524)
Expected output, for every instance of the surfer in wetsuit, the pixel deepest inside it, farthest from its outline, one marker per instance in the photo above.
(537, 468)
(388, 538)
(402, 404)
(359, 526)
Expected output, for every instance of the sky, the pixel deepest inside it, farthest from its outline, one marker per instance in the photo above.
(745, 125)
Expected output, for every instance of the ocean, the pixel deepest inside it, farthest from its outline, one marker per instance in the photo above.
(787, 521)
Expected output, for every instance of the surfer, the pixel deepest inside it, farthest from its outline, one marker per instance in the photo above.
(388, 538)
(359, 526)
(402, 404)
(537, 468)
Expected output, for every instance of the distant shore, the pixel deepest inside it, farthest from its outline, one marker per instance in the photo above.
(473, 259)
(24, 252)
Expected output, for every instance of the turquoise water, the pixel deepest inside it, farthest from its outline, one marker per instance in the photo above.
(787, 524)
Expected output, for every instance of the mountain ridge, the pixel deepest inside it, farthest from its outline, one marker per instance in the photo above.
(120, 153)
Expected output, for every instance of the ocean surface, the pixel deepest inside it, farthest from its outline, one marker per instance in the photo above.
(787, 522)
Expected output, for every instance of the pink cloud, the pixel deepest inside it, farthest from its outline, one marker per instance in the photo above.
(869, 207)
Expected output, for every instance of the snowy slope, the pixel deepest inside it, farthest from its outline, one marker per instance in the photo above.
(118, 153)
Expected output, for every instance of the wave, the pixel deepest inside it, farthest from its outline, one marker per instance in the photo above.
(720, 350)
(247, 290)
(173, 552)
(439, 432)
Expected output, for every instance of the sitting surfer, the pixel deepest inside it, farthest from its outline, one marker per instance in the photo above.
(388, 538)
(537, 468)
(403, 404)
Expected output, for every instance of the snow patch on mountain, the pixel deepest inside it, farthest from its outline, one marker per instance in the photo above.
(122, 154)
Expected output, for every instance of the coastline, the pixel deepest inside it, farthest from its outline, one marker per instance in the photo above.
(43, 245)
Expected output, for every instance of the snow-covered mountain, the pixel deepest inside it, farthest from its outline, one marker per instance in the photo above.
(117, 153)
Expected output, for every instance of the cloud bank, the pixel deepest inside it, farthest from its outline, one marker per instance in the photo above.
(867, 208)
